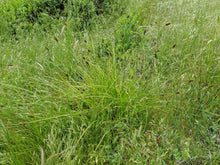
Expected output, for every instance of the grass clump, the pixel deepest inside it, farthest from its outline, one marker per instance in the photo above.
(142, 89)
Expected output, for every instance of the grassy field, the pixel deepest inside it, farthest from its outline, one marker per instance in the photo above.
(129, 82)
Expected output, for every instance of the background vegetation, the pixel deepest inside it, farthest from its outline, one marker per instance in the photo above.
(109, 82)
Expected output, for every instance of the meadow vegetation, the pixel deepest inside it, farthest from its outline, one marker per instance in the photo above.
(109, 82)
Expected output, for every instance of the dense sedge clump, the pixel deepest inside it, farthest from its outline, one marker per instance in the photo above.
(82, 82)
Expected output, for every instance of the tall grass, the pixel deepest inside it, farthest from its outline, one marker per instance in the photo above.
(143, 88)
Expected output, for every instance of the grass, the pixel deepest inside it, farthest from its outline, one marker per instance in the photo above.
(142, 89)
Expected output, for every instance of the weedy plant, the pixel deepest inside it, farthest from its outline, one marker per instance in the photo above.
(129, 32)
(22, 16)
